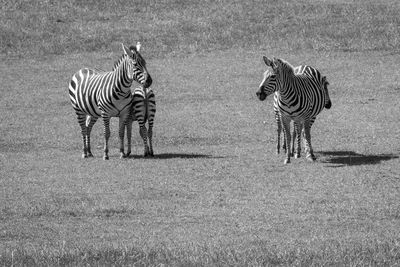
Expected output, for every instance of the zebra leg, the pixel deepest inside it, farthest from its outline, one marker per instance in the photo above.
(129, 135)
(151, 106)
(286, 132)
(121, 132)
(123, 121)
(90, 121)
(143, 134)
(82, 123)
(298, 128)
(307, 144)
(293, 139)
(106, 121)
(150, 136)
(279, 130)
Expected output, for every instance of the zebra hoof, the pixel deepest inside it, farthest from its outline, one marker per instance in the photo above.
(286, 161)
(124, 156)
(147, 153)
(84, 156)
(297, 155)
(311, 157)
(105, 158)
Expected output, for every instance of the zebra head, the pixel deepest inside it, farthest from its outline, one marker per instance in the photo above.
(268, 85)
(270, 82)
(137, 66)
(276, 79)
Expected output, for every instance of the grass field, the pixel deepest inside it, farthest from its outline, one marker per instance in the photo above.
(215, 193)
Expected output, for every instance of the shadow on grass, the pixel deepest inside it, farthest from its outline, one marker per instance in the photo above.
(180, 155)
(351, 158)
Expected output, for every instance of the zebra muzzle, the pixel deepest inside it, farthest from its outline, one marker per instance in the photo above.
(261, 95)
(328, 105)
(148, 81)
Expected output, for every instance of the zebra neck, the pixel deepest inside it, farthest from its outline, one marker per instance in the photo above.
(287, 90)
(123, 82)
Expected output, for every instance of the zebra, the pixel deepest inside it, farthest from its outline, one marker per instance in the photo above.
(95, 94)
(296, 132)
(301, 97)
(143, 109)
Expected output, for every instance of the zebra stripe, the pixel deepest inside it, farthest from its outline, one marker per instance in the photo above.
(301, 97)
(95, 94)
(143, 110)
(298, 70)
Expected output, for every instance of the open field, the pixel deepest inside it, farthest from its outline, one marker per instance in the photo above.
(39, 28)
(216, 193)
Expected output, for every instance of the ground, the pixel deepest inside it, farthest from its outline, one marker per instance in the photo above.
(215, 193)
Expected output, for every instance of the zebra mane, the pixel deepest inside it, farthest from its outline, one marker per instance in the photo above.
(137, 58)
(118, 62)
(268, 73)
(121, 59)
(99, 70)
(283, 64)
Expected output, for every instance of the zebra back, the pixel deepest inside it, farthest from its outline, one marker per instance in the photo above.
(95, 93)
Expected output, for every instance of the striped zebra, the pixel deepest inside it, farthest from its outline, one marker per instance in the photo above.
(301, 97)
(143, 110)
(296, 128)
(95, 94)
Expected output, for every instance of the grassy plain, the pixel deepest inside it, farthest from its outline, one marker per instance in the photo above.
(216, 193)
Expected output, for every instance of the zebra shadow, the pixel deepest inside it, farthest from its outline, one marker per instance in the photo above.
(351, 158)
(178, 155)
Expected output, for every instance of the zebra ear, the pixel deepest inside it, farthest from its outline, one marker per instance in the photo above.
(126, 50)
(138, 45)
(268, 62)
(275, 63)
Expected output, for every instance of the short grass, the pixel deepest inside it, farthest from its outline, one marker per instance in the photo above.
(216, 193)
(40, 28)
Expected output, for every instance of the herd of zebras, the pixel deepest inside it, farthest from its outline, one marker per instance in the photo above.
(300, 94)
